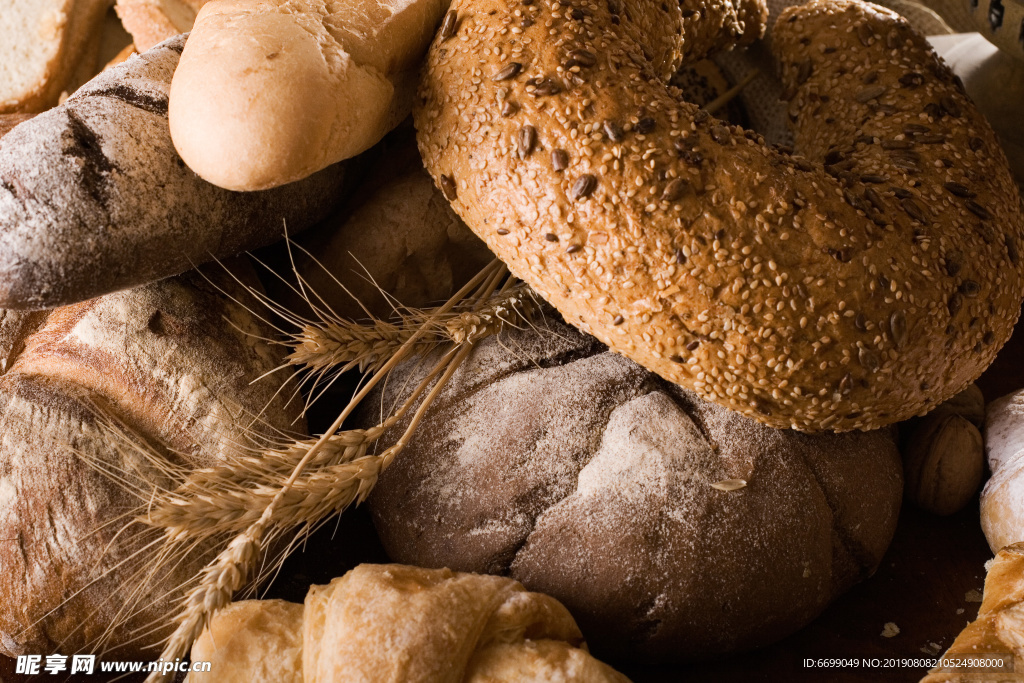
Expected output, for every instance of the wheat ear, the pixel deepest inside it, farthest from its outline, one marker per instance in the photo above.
(228, 572)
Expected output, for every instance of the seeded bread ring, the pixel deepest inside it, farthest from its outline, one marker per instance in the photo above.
(849, 288)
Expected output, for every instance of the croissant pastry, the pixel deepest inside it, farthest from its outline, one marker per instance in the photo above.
(381, 623)
(985, 650)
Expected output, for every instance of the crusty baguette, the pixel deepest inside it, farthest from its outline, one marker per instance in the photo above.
(317, 82)
(403, 625)
(46, 47)
(93, 197)
(985, 650)
(173, 362)
(848, 293)
(151, 22)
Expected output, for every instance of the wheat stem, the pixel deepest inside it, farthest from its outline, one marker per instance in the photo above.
(219, 581)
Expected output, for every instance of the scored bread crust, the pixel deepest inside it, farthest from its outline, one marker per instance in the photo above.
(848, 289)
(172, 364)
(94, 198)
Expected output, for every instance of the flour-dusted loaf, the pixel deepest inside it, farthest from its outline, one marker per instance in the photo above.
(270, 91)
(396, 624)
(669, 526)
(93, 197)
(172, 363)
(46, 47)
(856, 284)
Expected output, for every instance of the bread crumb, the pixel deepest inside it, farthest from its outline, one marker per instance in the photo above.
(973, 595)
(960, 610)
(931, 649)
(890, 630)
(729, 484)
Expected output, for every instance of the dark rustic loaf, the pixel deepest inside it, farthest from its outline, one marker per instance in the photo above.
(93, 197)
(583, 475)
(173, 362)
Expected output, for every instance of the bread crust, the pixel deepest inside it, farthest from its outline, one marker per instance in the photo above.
(398, 623)
(851, 288)
(60, 48)
(578, 472)
(151, 22)
(173, 363)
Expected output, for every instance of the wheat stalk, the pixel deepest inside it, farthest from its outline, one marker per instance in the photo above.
(251, 496)
(341, 345)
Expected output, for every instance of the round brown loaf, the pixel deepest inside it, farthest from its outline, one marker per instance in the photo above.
(585, 476)
(850, 288)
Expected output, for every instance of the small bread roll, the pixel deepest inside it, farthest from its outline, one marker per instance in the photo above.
(269, 92)
(396, 242)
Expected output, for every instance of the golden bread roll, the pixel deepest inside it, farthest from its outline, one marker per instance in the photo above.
(381, 623)
(396, 242)
(853, 287)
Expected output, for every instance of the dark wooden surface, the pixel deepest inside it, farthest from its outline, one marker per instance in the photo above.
(932, 563)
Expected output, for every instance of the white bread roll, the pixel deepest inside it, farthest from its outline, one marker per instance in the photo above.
(269, 92)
